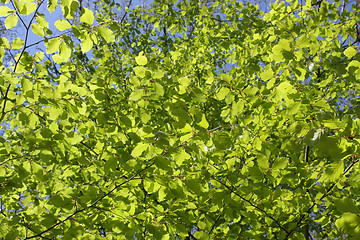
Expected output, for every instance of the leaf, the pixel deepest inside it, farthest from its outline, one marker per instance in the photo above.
(86, 44)
(285, 88)
(349, 223)
(333, 172)
(11, 21)
(350, 52)
(181, 156)
(5, 11)
(140, 71)
(136, 95)
(87, 16)
(203, 123)
(29, 8)
(37, 29)
(346, 205)
(139, 149)
(184, 81)
(141, 60)
(62, 25)
(267, 74)
(58, 59)
(21, 8)
(222, 141)
(280, 163)
(163, 163)
(52, 45)
(107, 34)
(222, 93)
(111, 165)
(75, 139)
(52, 5)
(17, 43)
(159, 89)
(64, 51)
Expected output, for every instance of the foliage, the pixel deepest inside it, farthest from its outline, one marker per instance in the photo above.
(184, 120)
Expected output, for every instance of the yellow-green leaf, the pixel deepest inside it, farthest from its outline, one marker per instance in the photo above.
(65, 51)
(5, 11)
(17, 43)
(52, 5)
(86, 44)
(107, 34)
(141, 60)
(62, 25)
(87, 16)
(350, 52)
(11, 21)
(52, 45)
(140, 71)
(37, 29)
(139, 149)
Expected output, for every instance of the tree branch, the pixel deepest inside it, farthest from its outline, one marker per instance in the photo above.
(91, 205)
(253, 205)
(302, 216)
(18, 60)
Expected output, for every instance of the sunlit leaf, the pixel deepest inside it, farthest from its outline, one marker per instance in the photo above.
(11, 21)
(350, 52)
(5, 11)
(107, 34)
(62, 25)
(87, 16)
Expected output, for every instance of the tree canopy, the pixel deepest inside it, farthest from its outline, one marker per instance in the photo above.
(185, 120)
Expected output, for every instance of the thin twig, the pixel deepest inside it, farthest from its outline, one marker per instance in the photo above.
(327, 193)
(2, 163)
(91, 205)
(123, 18)
(18, 60)
(253, 205)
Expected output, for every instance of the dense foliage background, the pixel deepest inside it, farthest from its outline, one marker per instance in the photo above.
(180, 120)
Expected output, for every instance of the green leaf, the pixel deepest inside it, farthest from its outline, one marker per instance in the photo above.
(21, 8)
(346, 205)
(86, 44)
(333, 172)
(285, 88)
(139, 149)
(65, 51)
(87, 16)
(223, 92)
(111, 165)
(141, 60)
(62, 25)
(5, 11)
(140, 71)
(222, 141)
(37, 29)
(17, 43)
(29, 8)
(11, 21)
(184, 81)
(181, 156)
(163, 163)
(159, 89)
(349, 223)
(280, 163)
(350, 52)
(75, 139)
(52, 5)
(107, 34)
(52, 45)
(136, 95)
(267, 74)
